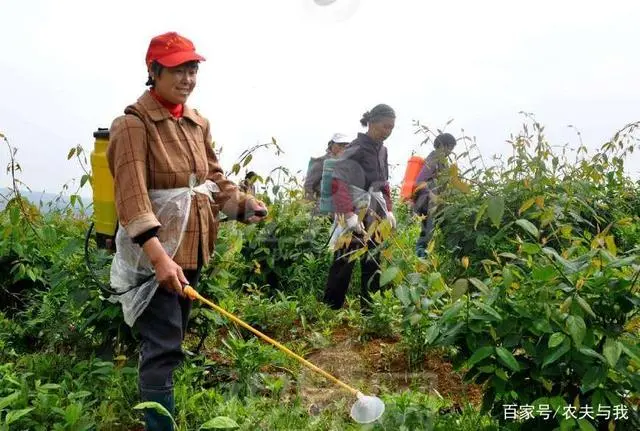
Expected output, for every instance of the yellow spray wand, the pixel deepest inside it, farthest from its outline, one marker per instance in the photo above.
(191, 293)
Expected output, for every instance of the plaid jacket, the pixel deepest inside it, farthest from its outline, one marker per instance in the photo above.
(150, 149)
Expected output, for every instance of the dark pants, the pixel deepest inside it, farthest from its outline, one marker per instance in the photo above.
(161, 329)
(340, 275)
(426, 233)
(425, 206)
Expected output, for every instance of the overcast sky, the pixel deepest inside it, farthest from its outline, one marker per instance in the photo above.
(299, 72)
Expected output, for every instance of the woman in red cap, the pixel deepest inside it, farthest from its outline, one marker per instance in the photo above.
(161, 144)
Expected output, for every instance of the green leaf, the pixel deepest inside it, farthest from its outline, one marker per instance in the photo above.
(507, 277)
(526, 205)
(219, 422)
(436, 282)
(507, 358)
(402, 292)
(632, 351)
(432, 334)
(557, 353)
(592, 354)
(501, 374)
(15, 415)
(72, 152)
(479, 215)
(623, 262)
(543, 326)
(415, 318)
(84, 179)
(247, 160)
(577, 329)
(611, 245)
(9, 399)
(479, 355)
(388, 275)
(490, 310)
(159, 408)
(557, 403)
(567, 424)
(556, 339)
(543, 273)
(213, 316)
(592, 379)
(451, 313)
(547, 216)
(530, 248)
(14, 215)
(528, 227)
(613, 398)
(460, 287)
(480, 286)
(509, 255)
(495, 210)
(585, 425)
(49, 387)
(569, 266)
(72, 413)
(612, 351)
(79, 395)
(598, 399)
(585, 306)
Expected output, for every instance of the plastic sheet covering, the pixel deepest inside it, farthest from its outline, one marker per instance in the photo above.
(131, 266)
(362, 200)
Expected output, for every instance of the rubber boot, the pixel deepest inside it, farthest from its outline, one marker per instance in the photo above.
(156, 421)
(421, 251)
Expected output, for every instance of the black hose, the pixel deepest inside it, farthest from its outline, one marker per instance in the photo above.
(92, 272)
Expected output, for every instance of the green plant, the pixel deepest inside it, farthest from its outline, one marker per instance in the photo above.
(553, 318)
(384, 319)
(246, 360)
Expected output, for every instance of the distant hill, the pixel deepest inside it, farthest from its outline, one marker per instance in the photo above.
(46, 201)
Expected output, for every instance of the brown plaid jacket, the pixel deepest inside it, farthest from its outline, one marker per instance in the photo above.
(150, 149)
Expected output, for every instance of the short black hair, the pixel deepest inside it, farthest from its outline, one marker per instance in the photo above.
(157, 68)
(444, 140)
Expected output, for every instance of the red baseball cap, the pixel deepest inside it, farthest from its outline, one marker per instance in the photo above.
(170, 50)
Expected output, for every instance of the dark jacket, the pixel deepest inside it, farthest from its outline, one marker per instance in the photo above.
(363, 164)
(427, 181)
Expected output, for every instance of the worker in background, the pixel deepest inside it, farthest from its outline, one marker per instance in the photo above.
(312, 182)
(248, 185)
(429, 184)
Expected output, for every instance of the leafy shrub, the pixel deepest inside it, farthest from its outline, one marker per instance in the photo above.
(553, 318)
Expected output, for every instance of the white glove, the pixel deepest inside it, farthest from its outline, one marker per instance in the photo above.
(392, 219)
(354, 224)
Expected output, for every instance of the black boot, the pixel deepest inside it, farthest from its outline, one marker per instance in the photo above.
(154, 420)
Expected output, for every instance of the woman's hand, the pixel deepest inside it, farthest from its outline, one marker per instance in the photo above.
(256, 210)
(168, 273)
(353, 223)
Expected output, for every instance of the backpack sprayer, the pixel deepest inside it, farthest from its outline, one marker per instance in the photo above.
(105, 220)
(104, 207)
(414, 166)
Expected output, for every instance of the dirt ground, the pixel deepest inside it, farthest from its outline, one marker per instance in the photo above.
(376, 367)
